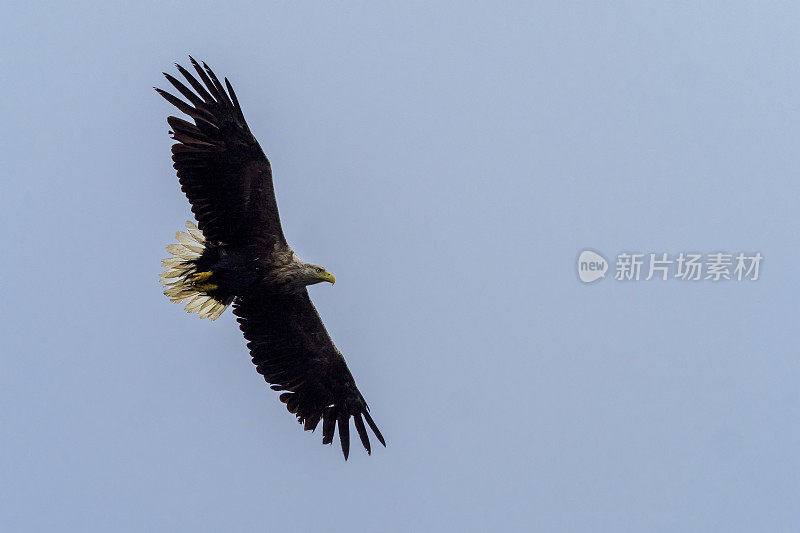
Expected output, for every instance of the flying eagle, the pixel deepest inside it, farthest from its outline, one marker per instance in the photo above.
(237, 254)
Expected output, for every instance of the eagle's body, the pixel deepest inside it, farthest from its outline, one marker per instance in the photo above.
(239, 271)
(237, 253)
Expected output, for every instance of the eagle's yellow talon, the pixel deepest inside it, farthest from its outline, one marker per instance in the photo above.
(201, 276)
(207, 287)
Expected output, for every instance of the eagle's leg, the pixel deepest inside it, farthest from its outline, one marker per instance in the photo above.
(201, 276)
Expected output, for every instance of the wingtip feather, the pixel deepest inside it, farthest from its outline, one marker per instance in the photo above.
(362, 432)
(374, 428)
(344, 435)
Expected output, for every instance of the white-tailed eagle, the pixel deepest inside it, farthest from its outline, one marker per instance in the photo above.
(236, 253)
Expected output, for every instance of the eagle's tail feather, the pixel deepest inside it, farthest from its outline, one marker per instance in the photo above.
(183, 283)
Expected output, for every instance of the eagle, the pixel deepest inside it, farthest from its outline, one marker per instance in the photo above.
(237, 254)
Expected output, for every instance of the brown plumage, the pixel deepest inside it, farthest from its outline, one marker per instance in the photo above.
(239, 255)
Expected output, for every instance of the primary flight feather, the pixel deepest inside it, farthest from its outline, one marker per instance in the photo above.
(237, 254)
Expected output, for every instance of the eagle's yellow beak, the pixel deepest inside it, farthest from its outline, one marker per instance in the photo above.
(327, 276)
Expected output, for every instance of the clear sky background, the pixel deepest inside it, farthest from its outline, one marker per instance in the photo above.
(447, 163)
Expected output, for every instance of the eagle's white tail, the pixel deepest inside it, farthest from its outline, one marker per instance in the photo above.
(178, 278)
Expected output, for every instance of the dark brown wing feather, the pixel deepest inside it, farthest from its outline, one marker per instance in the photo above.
(293, 351)
(221, 167)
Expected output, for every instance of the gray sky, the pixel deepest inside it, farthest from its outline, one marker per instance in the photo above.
(447, 164)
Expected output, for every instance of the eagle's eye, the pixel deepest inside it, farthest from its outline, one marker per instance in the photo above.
(320, 269)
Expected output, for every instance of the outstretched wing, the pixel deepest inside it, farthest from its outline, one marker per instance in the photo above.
(221, 168)
(293, 351)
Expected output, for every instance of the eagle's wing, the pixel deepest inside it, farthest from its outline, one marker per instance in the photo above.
(293, 351)
(221, 168)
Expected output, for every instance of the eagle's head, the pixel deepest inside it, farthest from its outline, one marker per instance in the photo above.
(297, 274)
(312, 274)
